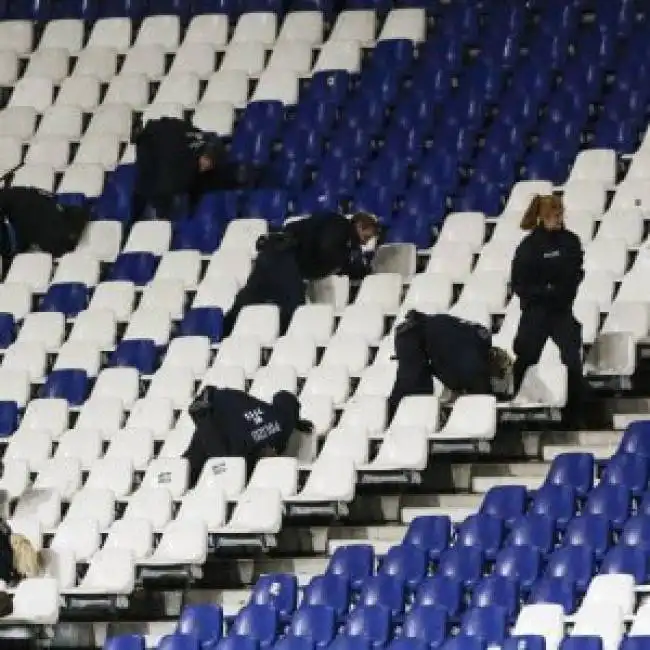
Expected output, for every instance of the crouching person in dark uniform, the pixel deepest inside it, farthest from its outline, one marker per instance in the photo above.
(230, 423)
(32, 219)
(458, 353)
(308, 249)
(171, 158)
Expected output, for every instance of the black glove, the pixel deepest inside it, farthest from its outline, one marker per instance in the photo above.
(305, 426)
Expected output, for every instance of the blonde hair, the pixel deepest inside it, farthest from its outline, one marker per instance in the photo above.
(539, 210)
(27, 561)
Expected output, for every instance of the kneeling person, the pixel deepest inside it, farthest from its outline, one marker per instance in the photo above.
(455, 351)
(231, 423)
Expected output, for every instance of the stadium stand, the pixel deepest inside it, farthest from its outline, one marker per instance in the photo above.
(444, 119)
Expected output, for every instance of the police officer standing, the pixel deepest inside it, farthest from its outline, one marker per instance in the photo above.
(231, 423)
(307, 249)
(172, 156)
(455, 351)
(546, 273)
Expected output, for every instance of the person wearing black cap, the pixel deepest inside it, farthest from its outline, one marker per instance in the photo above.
(171, 158)
(231, 423)
(307, 249)
(33, 219)
(455, 351)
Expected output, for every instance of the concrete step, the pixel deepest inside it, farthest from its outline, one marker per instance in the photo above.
(621, 420)
(549, 452)
(456, 506)
(581, 438)
(530, 475)
(482, 484)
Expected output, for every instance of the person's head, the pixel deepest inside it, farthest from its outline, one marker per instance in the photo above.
(208, 156)
(500, 364)
(26, 561)
(544, 211)
(367, 226)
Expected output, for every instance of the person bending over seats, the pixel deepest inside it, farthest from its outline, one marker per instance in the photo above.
(455, 351)
(307, 249)
(33, 219)
(231, 423)
(171, 158)
(546, 273)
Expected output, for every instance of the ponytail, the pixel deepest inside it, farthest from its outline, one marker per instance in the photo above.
(532, 214)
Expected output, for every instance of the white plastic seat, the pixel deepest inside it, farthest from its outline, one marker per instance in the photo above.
(182, 543)
(97, 61)
(32, 447)
(53, 152)
(256, 512)
(588, 315)
(382, 289)
(18, 122)
(11, 153)
(602, 620)
(83, 445)
(60, 474)
(122, 383)
(256, 27)
(403, 448)
(150, 323)
(158, 110)
(488, 287)
(419, 411)
(473, 311)
(111, 32)
(82, 91)
(279, 474)
(181, 265)
(15, 479)
(367, 412)
(584, 196)
(407, 22)
(149, 237)
(34, 92)
(339, 55)
(641, 623)
(60, 567)
(216, 292)
(36, 602)
(260, 322)
(229, 86)
(330, 479)
(313, 321)
(544, 385)
(349, 351)
(133, 535)
(113, 474)
(95, 326)
(229, 262)
(103, 150)
(473, 417)
(632, 317)
(67, 33)
(377, 379)
(354, 25)
(81, 537)
(102, 240)
(429, 293)
(333, 381)
(50, 63)
(160, 30)
(164, 294)
(28, 357)
(136, 445)
(319, 410)
(112, 120)
(595, 165)
(299, 354)
(77, 267)
(244, 56)
(175, 383)
(104, 414)
(346, 444)
(215, 117)
(223, 376)
(302, 26)
(291, 56)
(153, 413)
(180, 87)
(543, 619)
(111, 571)
(132, 90)
(582, 223)
(269, 381)
(626, 225)
(277, 85)
(496, 255)
(611, 589)
(38, 176)
(597, 287)
(192, 352)
(46, 328)
(29, 271)
(194, 58)
(613, 354)
(80, 178)
(608, 255)
(209, 28)
(49, 414)
(17, 36)
(225, 474)
(61, 122)
(365, 321)
(15, 299)
(521, 195)
(8, 67)
(207, 505)
(168, 473)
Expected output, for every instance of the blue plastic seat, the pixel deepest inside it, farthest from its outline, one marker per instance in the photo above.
(138, 268)
(441, 591)
(581, 643)
(350, 643)
(555, 501)
(555, 590)
(462, 563)
(234, 642)
(611, 501)
(70, 385)
(527, 642)
(385, 590)
(430, 534)
(572, 469)
(625, 559)
(136, 353)
(218, 206)
(634, 642)
(372, 623)
(592, 531)
(7, 330)
(521, 564)
(507, 502)
(330, 85)
(204, 622)
(203, 321)
(426, 623)
(497, 591)
(125, 642)
(464, 643)
(572, 563)
(636, 532)
(279, 590)
(405, 643)
(294, 643)
(405, 562)
(533, 530)
(636, 439)
(329, 589)
(356, 563)
(8, 418)
(69, 298)
(259, 622)
(199, 234)
(316, 622)
(487, 623)
(481, 531)
(179, 642)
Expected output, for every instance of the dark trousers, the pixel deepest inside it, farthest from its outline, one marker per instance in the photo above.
(275, 279)
(536, 326)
